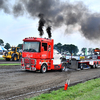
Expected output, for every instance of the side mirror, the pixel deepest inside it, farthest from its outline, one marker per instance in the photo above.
(42, 49)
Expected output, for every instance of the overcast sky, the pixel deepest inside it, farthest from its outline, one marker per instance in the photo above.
(14, 29)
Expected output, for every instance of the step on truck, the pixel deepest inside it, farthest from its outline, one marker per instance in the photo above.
(39, 55)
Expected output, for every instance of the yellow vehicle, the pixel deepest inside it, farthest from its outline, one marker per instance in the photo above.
(13, 55)
(82, 57)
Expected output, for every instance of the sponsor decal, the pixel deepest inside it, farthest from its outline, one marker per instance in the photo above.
(44, 55)
(27, 55)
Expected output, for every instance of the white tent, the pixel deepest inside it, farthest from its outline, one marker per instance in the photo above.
(1, 48)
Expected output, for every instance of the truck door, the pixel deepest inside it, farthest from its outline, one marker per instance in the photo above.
(44, 53)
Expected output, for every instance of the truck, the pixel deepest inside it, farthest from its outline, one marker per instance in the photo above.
(39, 55)
(93, 62)
(14, 54)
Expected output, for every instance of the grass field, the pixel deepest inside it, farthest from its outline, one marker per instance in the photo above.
(2, 58)
(10, 64)
(89, 90)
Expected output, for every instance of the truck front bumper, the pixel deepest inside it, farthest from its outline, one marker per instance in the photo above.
(28, 68)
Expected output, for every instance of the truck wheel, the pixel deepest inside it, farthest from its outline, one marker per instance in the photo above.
(43, 68)
(7, 59)
(15, 58)
(63, 67)
(96, 65)
(81, 66)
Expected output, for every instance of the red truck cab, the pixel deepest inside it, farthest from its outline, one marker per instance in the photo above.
(38, 54)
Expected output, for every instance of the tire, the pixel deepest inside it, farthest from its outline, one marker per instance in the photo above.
(96, 65)
(63, 67)
(18, 59)
(43, 68)
(15, 58)
(7, 59)
(81, 66)
(63, 59)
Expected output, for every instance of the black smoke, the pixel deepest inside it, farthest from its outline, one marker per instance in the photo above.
(91, 27)
(4, 5)
(41, 24)
(49, 31)
(60, 13)
(18, 10)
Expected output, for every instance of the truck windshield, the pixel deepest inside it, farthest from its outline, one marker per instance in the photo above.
(31, 46)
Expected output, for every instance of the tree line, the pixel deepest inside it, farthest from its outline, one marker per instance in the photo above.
(71, 48)
(85, 51)
(61, 48)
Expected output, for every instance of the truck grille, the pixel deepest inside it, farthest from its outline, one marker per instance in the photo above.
(30, 61)
(26, 61)
(33, 61)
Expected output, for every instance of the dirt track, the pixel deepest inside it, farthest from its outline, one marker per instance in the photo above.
(15, 82)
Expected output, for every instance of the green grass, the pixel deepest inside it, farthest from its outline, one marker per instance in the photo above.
(89, 90)
(10, 64)
(2, 58)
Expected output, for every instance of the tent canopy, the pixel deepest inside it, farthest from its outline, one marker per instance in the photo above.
(2, 48)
